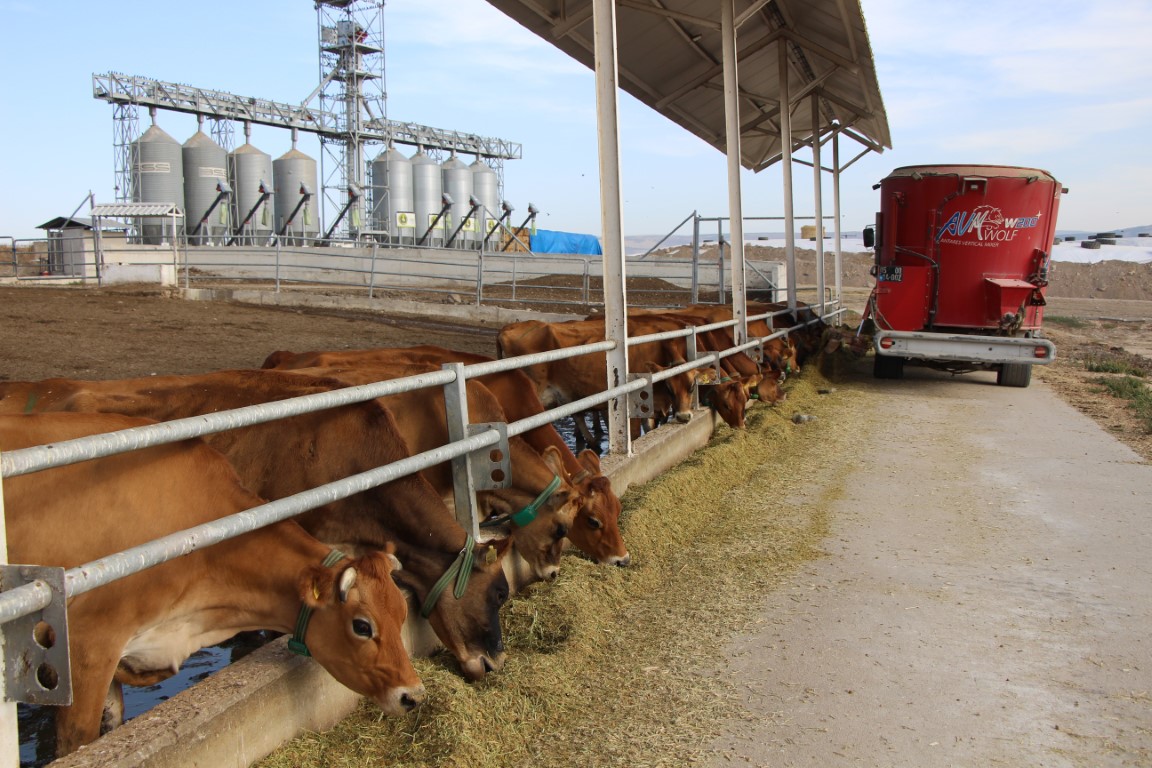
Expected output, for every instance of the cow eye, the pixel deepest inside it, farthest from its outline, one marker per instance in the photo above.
(594, 522)
(362, 627)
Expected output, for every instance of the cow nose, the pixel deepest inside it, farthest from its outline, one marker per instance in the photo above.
(624, 561)
(684, 416)
(412, 699)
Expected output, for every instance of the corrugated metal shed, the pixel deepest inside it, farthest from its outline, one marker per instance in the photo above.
(669, 54)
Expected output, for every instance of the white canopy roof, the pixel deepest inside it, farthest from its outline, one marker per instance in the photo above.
(136, 209)
(669, 57)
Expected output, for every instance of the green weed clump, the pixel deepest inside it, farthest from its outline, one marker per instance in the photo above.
(1104, 365)
(1065, 321)
(1136, 392)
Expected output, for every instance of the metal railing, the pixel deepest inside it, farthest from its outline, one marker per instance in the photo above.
(375, 270)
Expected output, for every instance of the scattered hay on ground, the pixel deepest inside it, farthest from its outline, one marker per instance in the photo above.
(611, 665)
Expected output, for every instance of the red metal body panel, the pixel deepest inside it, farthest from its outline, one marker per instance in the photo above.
(984, 235)
(903, 296)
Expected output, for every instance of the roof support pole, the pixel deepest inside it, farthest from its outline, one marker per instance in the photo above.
(735, 203)
(818, 195)
(836, 210)
(9, 736)
(786, 169)
(611, 220)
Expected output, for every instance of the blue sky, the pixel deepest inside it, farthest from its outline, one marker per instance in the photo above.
(1056, 84)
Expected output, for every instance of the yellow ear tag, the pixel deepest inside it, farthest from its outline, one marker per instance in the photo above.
(315, 590)
(490, 555)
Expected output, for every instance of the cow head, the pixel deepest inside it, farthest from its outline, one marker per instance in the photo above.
(539, 543)
(672, 395)
(469, 625)
(355, 629)
(728, 399)
(781, 354)
(596, 529)
(769, 389)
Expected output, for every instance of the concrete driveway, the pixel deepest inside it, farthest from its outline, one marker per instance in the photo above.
(986, 599)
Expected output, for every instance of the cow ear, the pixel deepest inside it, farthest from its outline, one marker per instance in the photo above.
(590, 461)
(495, 551)
(316, 586)
(555, 461)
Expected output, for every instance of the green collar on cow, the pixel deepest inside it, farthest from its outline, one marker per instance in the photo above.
(460, 570)
(296, 642)
(528, 514)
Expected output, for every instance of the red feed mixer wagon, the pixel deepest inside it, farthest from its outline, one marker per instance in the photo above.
(962, 260)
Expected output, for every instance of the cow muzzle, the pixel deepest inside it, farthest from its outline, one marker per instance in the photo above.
(403, 699)
(683, 416)
(480, 665)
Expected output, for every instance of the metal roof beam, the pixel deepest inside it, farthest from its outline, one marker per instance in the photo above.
(823, 52)
(659, 10)
(625, 75)
(715, 71)
(569, 24)
(691, 40)
(751, 11)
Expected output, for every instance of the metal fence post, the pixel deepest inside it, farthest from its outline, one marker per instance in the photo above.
(277, 265)
(372, 277)
(480, 276)
(463, 481)
(587, 282)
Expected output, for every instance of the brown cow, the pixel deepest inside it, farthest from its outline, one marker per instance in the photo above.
(284, 457)
(806, 341)
(140, 629)
(762, 381)
(596, 530)
(563, 381)
(422, 419)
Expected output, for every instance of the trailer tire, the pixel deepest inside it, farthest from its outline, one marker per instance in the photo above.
(885, 367)
(1014, 375)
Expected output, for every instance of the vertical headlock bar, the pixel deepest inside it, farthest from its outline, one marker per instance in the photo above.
(479, 470)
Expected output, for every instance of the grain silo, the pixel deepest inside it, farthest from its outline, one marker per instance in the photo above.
(393, 210)
(297, 197)
(158, 168)
(427, 188)
(456, 178)
(486, 189)
(250, 170)
(205, 167)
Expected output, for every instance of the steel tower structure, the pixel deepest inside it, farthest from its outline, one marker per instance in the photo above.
(352, 88)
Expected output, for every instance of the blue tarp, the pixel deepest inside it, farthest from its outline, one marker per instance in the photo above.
(548, 241)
